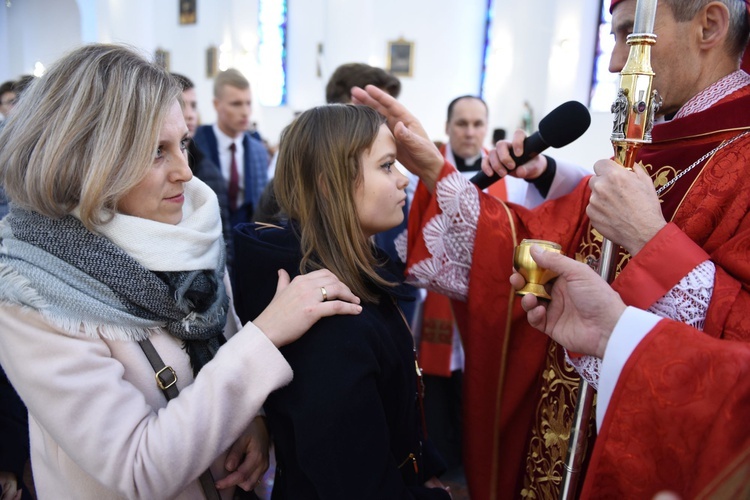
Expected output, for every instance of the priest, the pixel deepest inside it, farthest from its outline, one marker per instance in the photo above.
(681, 221)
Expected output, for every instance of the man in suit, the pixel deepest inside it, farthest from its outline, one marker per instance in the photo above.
(243, 160)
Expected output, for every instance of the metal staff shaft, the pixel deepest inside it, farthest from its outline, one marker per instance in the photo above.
(634, 109)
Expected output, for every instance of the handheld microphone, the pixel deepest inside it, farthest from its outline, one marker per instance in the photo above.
(560, 127)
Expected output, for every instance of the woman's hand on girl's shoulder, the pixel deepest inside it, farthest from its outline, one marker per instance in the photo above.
(301, 302)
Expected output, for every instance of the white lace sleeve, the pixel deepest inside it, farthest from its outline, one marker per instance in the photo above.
(449, 237)
(587, 367)
(687, 303)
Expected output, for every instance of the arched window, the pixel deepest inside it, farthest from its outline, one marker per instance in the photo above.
(487, 44)
(272, 19)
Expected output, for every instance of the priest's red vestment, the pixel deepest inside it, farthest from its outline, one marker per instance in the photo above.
(677, 420)
(518, 396)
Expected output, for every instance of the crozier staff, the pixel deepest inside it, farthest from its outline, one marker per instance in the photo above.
(110, 245)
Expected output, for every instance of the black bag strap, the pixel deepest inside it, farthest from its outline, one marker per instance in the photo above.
(166, 380)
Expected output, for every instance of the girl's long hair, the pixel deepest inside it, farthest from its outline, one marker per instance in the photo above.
(317, 172)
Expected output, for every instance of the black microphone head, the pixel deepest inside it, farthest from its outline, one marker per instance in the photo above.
(564, 124)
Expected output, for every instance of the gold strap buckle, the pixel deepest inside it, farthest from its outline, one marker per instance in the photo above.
(168, 381)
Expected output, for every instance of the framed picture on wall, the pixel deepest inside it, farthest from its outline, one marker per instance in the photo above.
(401, 57)
(212, 62)
(161, 58)
(187, 11)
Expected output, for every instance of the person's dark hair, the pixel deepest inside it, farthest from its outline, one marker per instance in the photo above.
(459, 98)
(8, 86)
(268, 210)
(184, 82)
(23, 83)
(346, 76)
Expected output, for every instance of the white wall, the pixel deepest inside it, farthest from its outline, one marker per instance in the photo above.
(36, 31)
(541, 51)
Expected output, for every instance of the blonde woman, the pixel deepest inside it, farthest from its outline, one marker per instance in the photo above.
(110, 247)
(350, 424)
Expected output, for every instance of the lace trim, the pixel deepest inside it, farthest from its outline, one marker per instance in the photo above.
(714, 93)
(449, 237)
(588, 368)
(401, 243)
(687, 303)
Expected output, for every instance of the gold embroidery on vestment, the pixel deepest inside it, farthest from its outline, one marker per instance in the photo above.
(551, 431)
(550, 435)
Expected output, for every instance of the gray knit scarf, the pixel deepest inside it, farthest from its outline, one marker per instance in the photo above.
(83, 282)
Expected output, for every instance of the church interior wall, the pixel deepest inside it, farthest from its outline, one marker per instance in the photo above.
(539, 51)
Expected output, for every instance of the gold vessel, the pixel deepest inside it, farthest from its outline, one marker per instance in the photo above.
(536, 277)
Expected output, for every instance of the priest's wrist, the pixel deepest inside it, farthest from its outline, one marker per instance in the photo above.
(543, 182)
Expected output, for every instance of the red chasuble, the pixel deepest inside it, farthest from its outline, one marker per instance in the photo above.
(677, 420)
(519, 394)
(436, 336)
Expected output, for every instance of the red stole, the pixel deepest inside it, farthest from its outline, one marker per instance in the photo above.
(436, 341)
